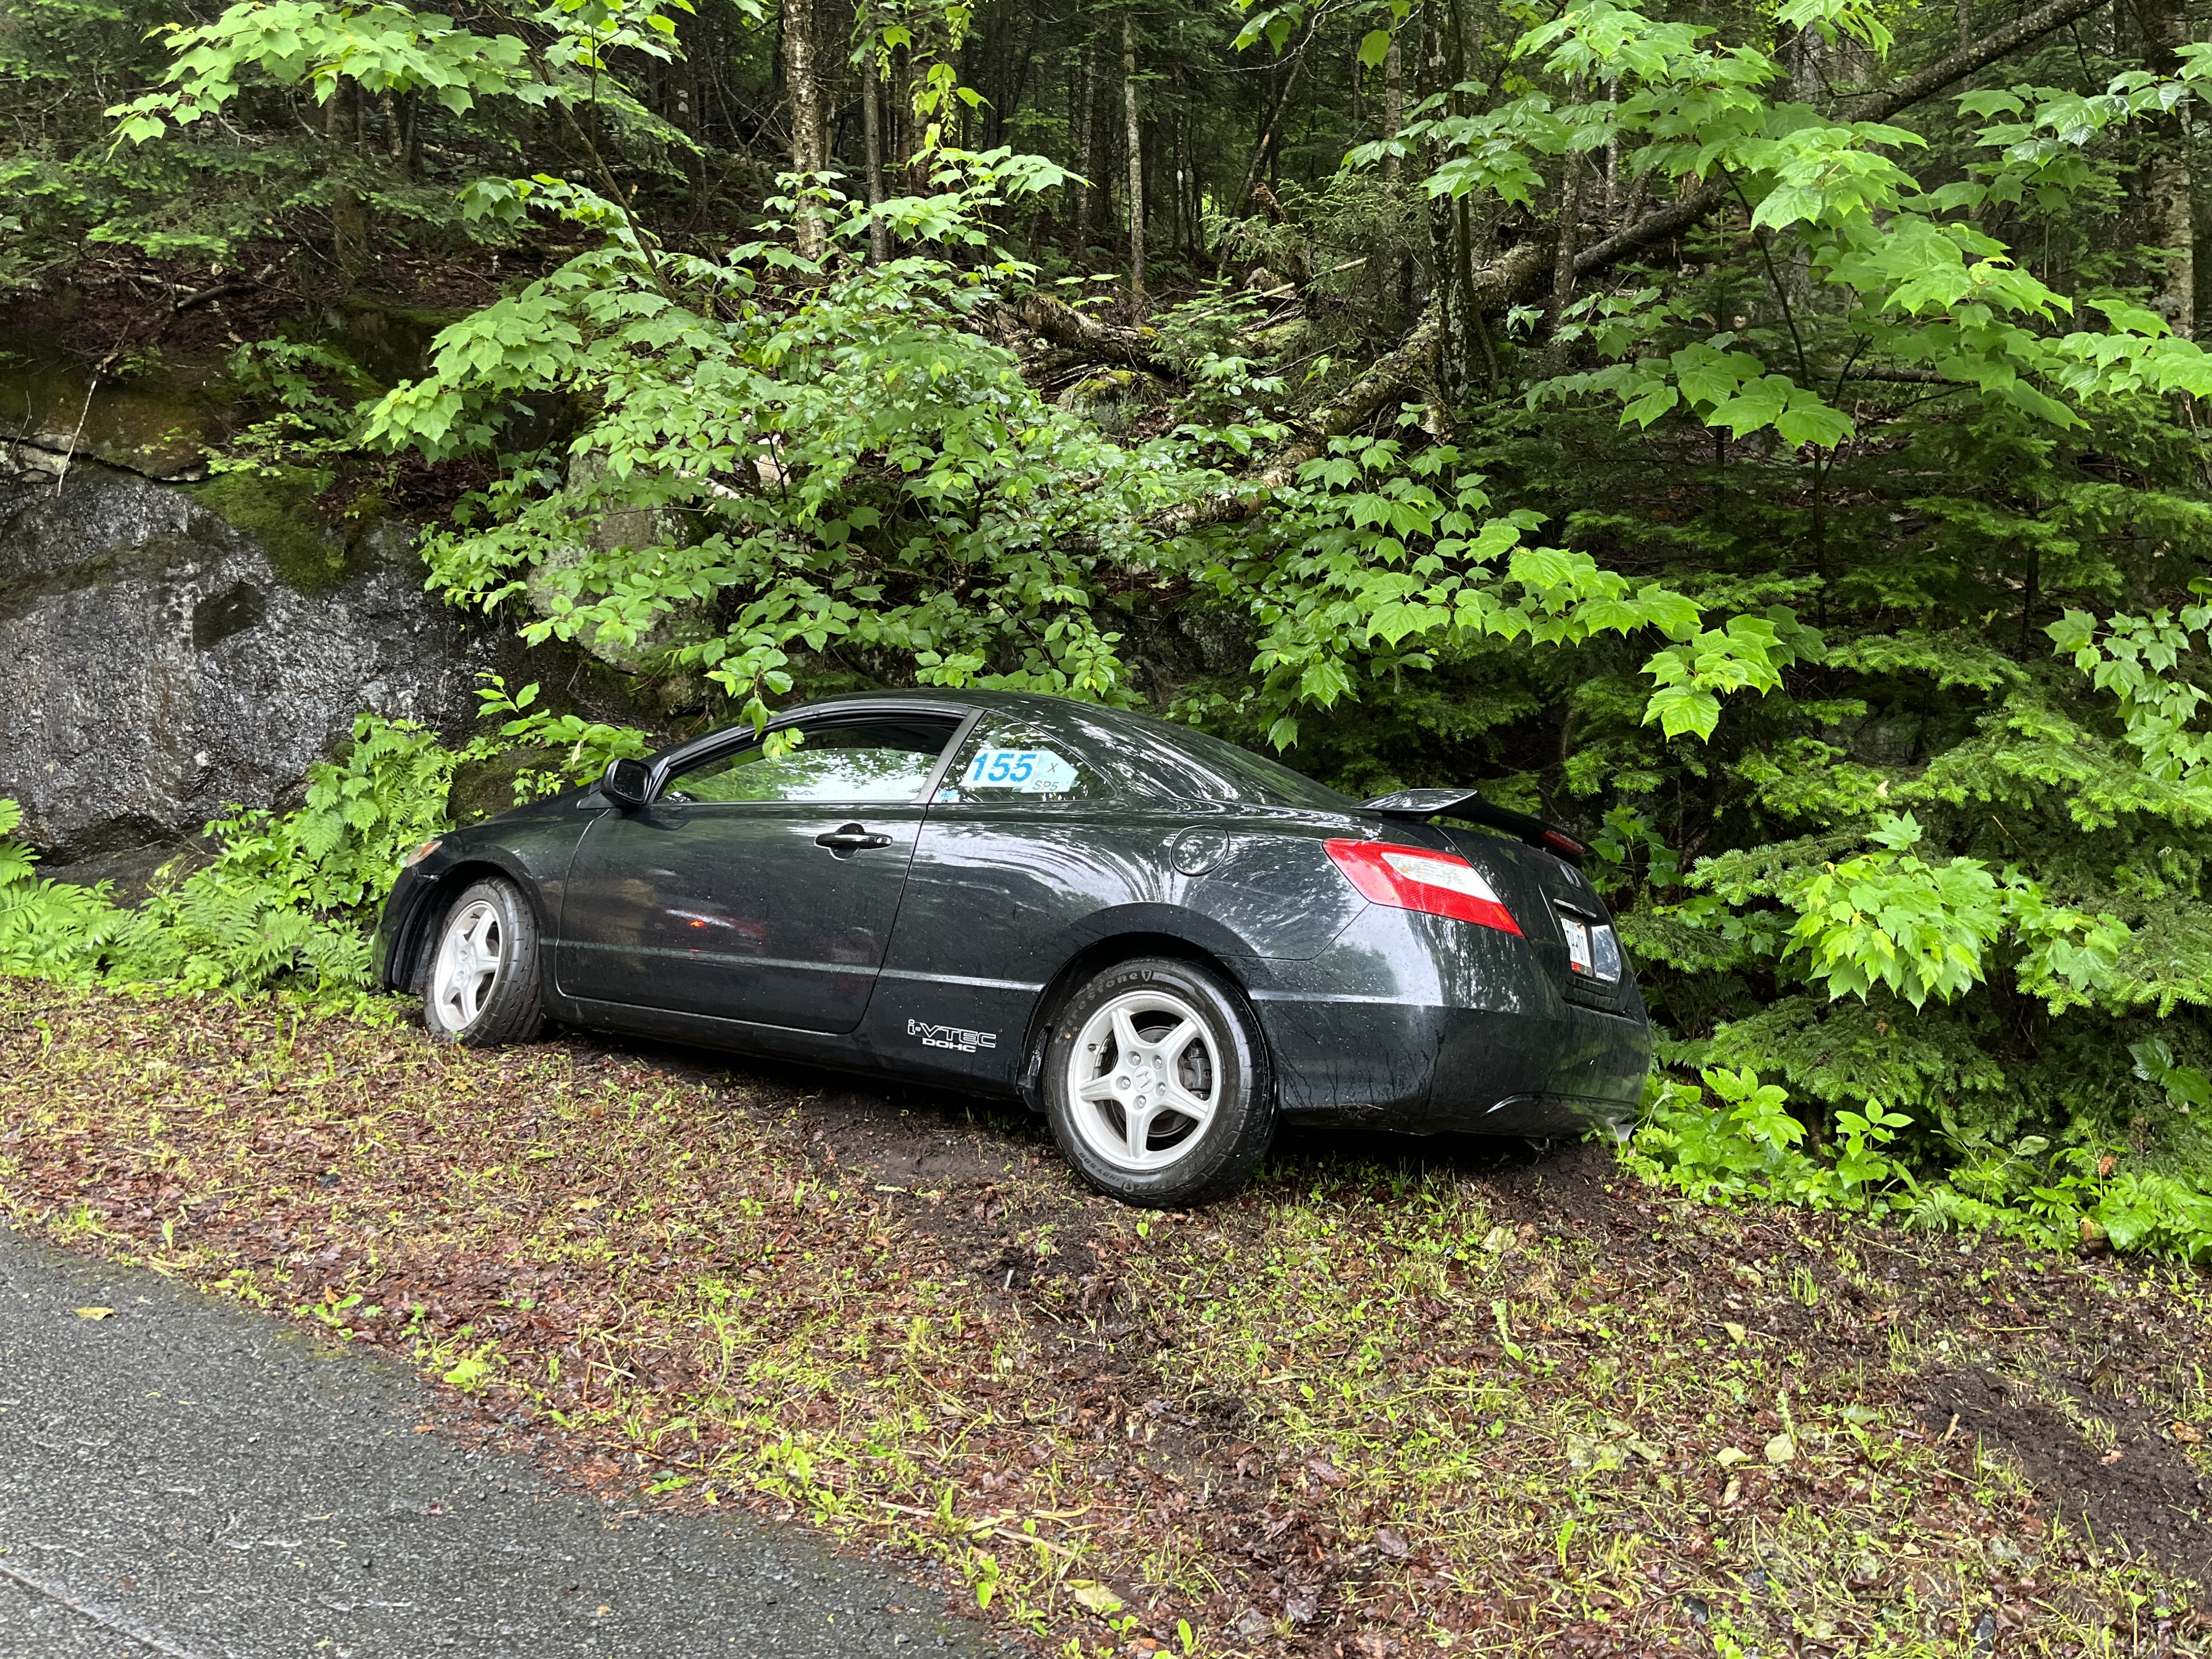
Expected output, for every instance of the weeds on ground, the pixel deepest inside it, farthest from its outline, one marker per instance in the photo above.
(1360, 1409)
(1748, 1144)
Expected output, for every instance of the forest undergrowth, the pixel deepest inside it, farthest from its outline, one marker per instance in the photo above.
(1764, 440)
(1397, 1398)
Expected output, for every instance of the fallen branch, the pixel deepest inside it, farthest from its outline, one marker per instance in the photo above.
(1383, 384)
(1974, 55)
(1041, 316)
(1666, 223)
(217, 291)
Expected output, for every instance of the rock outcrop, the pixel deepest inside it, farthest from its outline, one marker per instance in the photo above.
(161, 662)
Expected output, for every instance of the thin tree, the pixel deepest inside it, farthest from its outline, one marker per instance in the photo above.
(871, 128)
(1136, 154)
(810, 136)
(2170, 214)
(1086, 103)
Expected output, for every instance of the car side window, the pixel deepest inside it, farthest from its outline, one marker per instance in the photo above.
(857, 761)
(1004, 761)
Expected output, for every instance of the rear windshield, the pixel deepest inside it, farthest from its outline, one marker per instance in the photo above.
(1179, 763)
(1268, 783)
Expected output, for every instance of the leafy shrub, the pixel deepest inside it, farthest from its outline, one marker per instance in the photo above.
(283, 902)
(50, 929)
(287, 900)
(1748, 1146)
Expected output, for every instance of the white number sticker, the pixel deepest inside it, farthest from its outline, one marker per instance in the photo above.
(1023, 771)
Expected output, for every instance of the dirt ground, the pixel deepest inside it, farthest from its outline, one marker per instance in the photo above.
(1402, 1396)
(2104, 1378)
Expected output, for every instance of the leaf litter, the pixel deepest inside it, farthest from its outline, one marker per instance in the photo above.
(1398, 1398)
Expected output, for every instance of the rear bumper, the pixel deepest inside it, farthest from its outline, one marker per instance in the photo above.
(1414, 1024)
(1427, 1070)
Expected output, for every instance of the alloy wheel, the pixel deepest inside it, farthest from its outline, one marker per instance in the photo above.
(1144, 1081)
(469, 959)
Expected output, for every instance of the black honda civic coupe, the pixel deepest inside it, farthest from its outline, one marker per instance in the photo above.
(1163, 942)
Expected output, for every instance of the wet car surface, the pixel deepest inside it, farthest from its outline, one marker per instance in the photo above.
(944, 886)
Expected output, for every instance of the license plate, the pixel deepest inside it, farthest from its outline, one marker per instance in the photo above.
(1578, 945)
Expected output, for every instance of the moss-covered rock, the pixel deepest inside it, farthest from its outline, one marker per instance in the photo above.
(484, 788)
(388, 338)
(165, 661)
(275, 506)
(1113, 398)
(629, 527)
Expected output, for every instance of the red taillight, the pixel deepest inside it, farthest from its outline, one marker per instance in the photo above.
(1412, 878)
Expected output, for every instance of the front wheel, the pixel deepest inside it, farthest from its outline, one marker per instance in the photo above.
(1157, 1084)
(483, 989)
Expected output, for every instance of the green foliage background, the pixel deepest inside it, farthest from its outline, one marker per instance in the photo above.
(1835, 563)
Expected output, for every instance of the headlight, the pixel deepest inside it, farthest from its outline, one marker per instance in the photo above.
(418, 855)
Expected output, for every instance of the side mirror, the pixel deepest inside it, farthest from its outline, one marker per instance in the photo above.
(626, 783)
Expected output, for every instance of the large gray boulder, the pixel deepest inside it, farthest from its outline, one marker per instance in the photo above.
(159, 662)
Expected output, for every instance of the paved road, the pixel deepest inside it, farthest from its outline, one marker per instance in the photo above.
(191, 1480)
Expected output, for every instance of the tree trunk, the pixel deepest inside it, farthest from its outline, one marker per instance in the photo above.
(1136, 148)
(1563, 260)
(1463, 337)
(1612, 151)
(1018, 89)
(2170, 220)
(809, 129)
(880, 234)
(1194, 186)
(1394, 103)
(1085, 159)
(349, 213)
(687, 114)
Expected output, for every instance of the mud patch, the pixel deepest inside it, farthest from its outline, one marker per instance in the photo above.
(2149, 1496)
(1568, 1187)
(918, 1139)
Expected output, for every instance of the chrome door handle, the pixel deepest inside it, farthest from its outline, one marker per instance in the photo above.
(851, 838)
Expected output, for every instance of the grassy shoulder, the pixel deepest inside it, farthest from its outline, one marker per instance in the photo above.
(1391, 1400)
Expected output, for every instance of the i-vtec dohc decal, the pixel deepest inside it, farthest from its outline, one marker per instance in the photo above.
(950, 1036)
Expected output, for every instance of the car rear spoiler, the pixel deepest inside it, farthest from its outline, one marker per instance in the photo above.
(1419, 806)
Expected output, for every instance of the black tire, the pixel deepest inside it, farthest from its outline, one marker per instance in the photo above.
(1177, 1159)
(481, 989)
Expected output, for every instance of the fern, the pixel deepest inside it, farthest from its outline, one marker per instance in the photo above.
(284, 907)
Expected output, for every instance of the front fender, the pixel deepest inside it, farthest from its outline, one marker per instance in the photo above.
(420, 898)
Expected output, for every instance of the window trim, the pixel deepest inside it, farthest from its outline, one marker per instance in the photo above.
(963, 718)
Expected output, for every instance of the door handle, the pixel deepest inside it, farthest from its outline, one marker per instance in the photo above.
(851, 838)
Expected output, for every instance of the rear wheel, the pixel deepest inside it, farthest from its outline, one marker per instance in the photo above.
(482, 988)
(1157, 1084)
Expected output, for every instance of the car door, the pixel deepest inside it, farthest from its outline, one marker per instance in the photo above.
(761, 881)
(1020, 843)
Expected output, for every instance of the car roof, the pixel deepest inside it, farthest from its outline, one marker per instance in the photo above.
(1032, 705)
(1148, 756)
